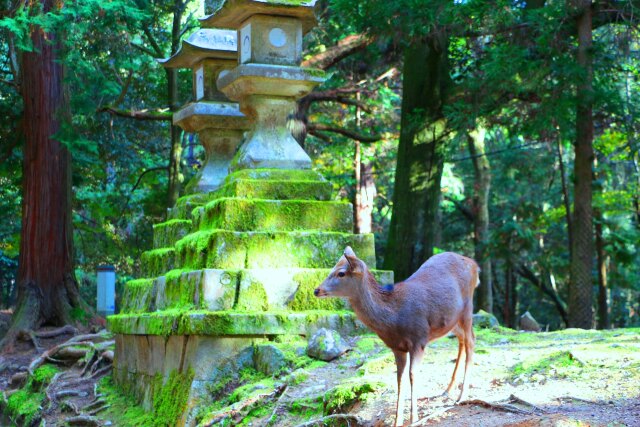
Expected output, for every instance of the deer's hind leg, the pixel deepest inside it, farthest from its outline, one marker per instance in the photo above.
(458, 332)
(469, 346)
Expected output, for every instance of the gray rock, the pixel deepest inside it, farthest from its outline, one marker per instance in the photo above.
(268, 359)
(528, 323)
(485, 320)
(326, 344)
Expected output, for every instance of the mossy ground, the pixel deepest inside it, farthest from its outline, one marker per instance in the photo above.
(169, 402)
(24, 406)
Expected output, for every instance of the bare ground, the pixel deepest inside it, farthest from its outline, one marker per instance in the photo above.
(567, 378)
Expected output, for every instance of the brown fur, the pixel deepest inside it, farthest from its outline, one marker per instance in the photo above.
(435, 300)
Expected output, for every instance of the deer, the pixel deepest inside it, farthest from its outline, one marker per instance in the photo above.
(433, 301)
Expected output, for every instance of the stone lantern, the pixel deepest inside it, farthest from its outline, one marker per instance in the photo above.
(217, 121)
(268, 80)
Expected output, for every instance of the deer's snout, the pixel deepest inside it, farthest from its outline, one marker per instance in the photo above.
(319, 292)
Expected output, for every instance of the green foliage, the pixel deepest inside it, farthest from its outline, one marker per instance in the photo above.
(25, 405)
(342, 397)
(562, 364)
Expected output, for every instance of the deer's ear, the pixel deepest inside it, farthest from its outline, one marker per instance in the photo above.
(349, 252)
(352, 259)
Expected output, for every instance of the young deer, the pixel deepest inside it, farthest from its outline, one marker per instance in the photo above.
(436, 299)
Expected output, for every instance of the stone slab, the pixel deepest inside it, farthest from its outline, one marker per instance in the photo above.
(230, 323)
(240, 214)
(236, 250)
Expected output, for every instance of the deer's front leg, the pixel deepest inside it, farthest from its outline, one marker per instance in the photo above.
(401, 362)
(416, 357)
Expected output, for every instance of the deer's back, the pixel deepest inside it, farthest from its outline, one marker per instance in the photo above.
(441, 291)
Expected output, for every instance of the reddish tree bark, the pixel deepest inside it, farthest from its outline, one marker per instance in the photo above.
(582, 252)
(47, 290)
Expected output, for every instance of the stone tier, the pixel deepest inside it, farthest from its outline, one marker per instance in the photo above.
(242, 214)
(166, 234)
(270, 184)
(235, 250)
(245, 289)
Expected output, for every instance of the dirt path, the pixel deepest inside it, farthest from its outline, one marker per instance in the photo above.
(567, 378)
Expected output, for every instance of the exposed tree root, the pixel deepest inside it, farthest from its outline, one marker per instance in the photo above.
(83, 420)
(66, 329)
(515, 399)
(238, 410)
(343, 417)
(272, 418)
(504, 407)
(576, 399)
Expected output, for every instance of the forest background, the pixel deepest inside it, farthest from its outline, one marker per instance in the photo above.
(504, 130)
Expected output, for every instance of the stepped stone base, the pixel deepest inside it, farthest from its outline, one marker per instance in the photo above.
(230, 269)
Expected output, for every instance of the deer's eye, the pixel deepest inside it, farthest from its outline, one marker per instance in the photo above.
(341, 274)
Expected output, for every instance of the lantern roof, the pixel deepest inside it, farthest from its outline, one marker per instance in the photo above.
(206, 43)
(232, 13)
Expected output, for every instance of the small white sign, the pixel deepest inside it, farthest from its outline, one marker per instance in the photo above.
(245, 44)
(200, 83)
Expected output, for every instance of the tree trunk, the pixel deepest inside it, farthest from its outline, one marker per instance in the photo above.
(565, 196)
(47, 289)
(509, 311)
(601, 256)
(365, 195)
(580, 288)
(482, 185)
(419, 166)
(365, 186)
(175, 175)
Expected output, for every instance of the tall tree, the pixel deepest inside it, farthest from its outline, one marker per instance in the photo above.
(482, 185)
(47, 289)
(416, 196)
(581, 286)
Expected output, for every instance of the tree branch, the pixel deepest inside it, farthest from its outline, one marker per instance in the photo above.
(526, 273)
(337, 95)
(345, 132)
(159, 115)
(345, 47)
(125, 89)
(144, 49)
(464, 210)
(159, 53)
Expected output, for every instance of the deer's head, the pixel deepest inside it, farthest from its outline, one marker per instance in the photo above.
(345, 278)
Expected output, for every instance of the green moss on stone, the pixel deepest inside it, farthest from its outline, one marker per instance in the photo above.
(342, 397)
(276, 174)
(279, 189)
(138, 296)
(304, 299)
(170, 396)
(303, 249)
(276, 215)
(252, 296)
(224, 323)
(166, 234)
(155, 262)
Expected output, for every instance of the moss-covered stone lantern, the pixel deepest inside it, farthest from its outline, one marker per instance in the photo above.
(217, 121)
(268, 80)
